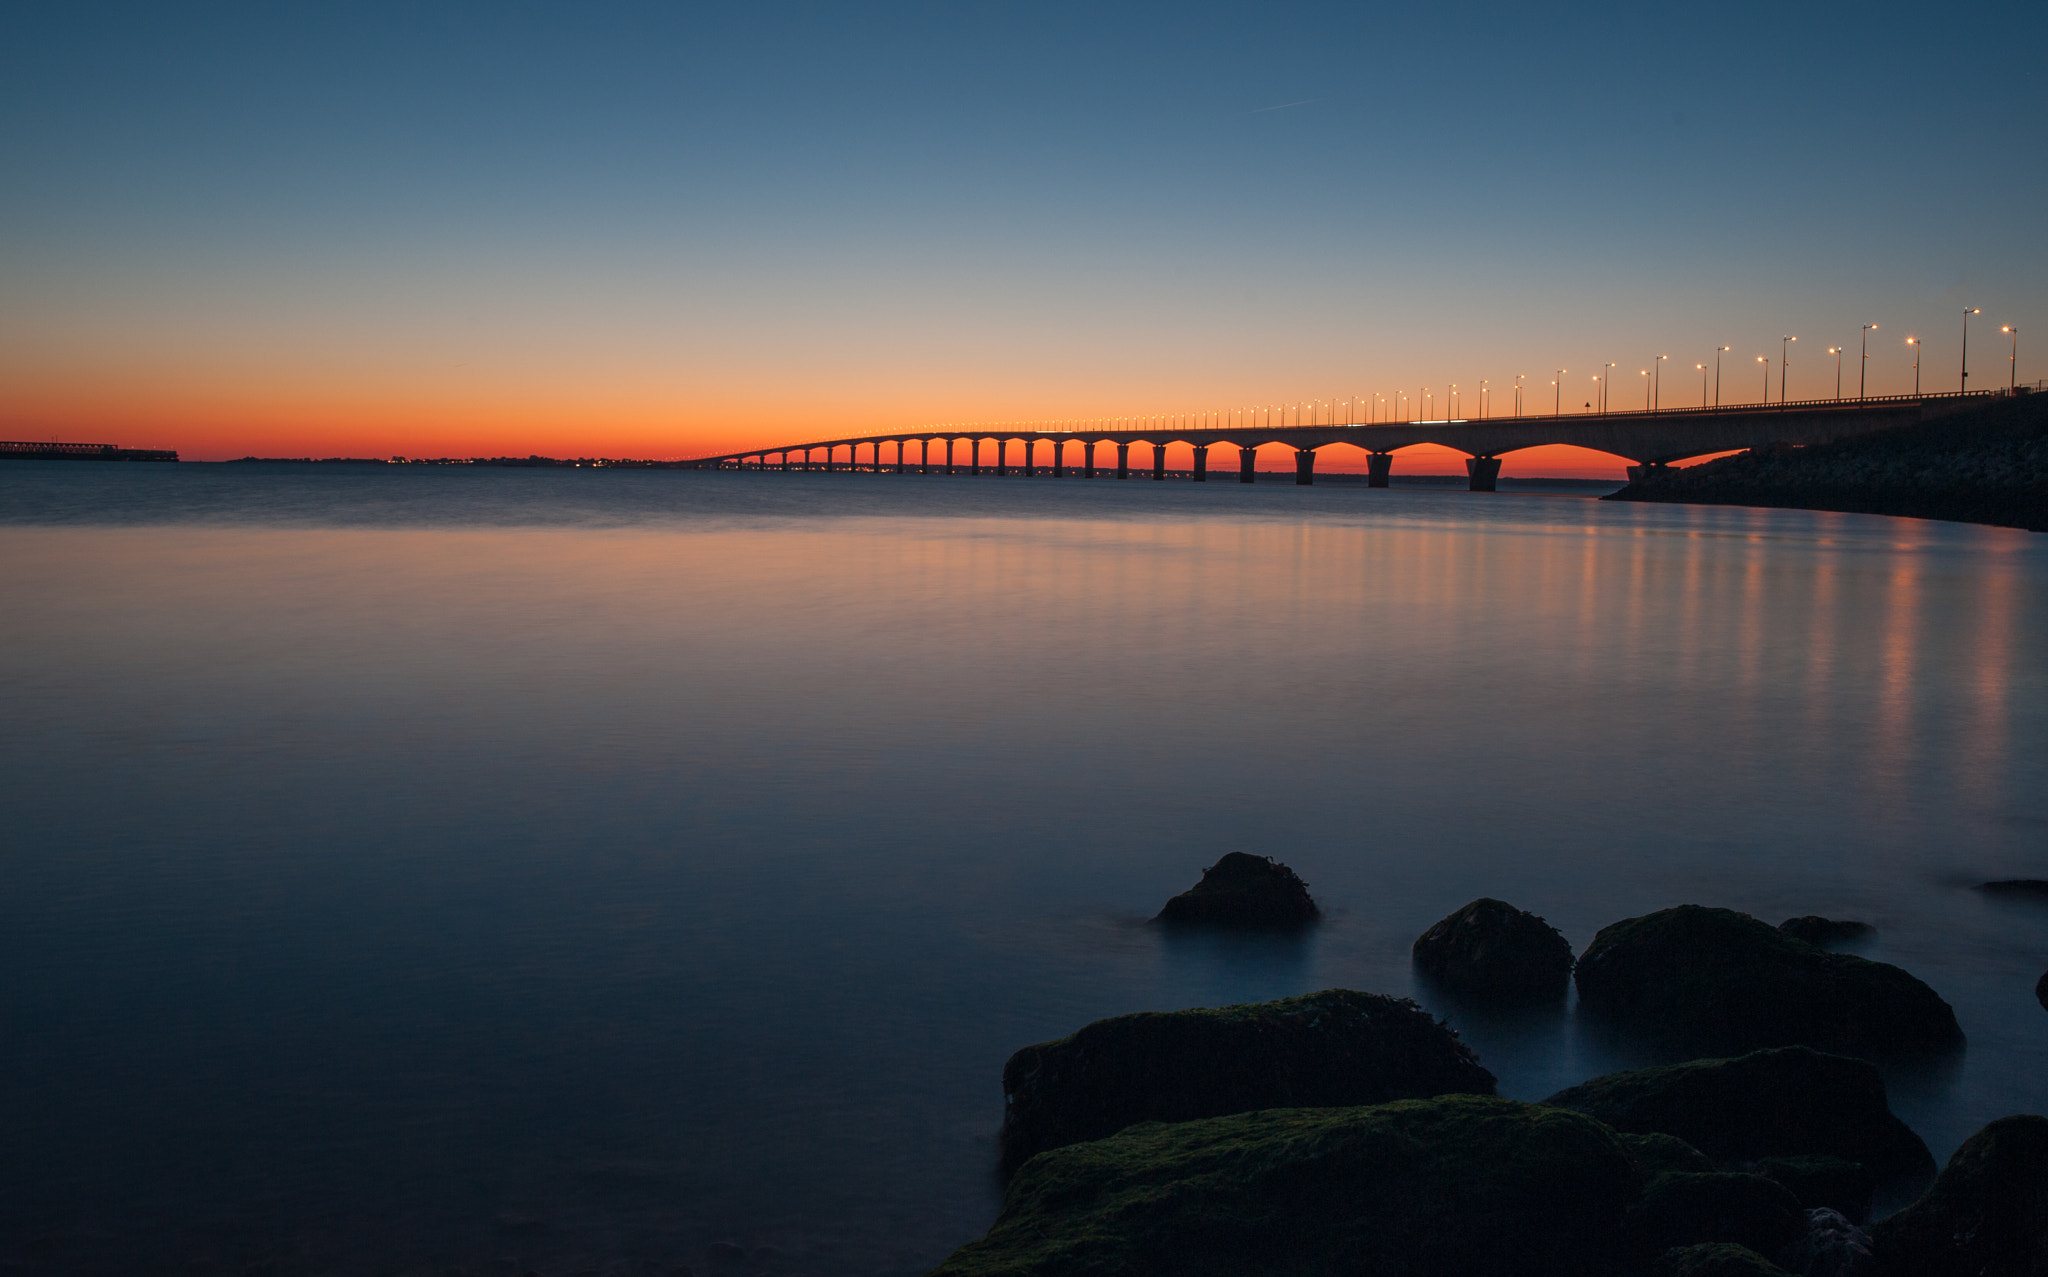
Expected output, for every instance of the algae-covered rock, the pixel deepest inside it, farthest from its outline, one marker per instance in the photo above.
(1816, 930)
(1986, 1216)
(1326, 1050)
(1490, 949)
(1656, 1151)
(1723, 980)
(1715, 1259)
(1785, 1102)
(1466, 1185)
(1240, 890)
(1822, 1181)
(1681, 1208)
(1831, 1247)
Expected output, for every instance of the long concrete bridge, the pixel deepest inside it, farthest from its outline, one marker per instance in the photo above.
(1646, 439)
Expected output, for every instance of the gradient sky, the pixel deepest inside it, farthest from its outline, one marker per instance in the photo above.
(667, 230)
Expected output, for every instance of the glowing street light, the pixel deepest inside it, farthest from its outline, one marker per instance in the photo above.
(2012, 363)
(1862, 368)
(1656, 390)
(1518, 392)
(1557, 406)
(1784, 362)
(1718, 352)
(1914, 342)
(1836, 351)
(1703, 384)
(1767, 377)
(1646, 388)
(1604, 385)
(1966, 345)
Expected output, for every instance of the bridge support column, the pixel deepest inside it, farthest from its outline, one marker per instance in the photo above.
(1304, 466)
(924, 456)
(830, 465)
(1059, 458)
(949, 456)
(1123, 461)
(899, 456)
(1002, 458)
(1031, 458)
(1088, 460)
(878, 457)
(1379, 469)
(974, 457)
(1201, 463)
(1647, 469)
(1158, 461)
(1247, 463)
(1485, 473)
(785, 463)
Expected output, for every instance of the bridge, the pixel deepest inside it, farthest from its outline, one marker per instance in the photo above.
(1647, 439)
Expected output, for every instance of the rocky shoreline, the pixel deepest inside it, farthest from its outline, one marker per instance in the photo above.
(1984, 465)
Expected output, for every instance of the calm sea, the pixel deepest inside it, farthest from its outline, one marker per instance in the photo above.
(411, 869)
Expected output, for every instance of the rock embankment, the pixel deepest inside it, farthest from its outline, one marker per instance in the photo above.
(1983, 465)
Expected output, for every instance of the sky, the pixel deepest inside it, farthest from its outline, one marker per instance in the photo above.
(669, 230)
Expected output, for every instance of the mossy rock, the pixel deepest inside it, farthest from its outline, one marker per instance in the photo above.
(1784, 1102)
(1656, 1152)
(1467, 1185)
(1680, 1208)
(1247, 892)
(1331, 1049)
(1822, 1181)
(1715, 1259)
(1491, 950)
(1819, 931)
(1986, 1216)
(1722, 980)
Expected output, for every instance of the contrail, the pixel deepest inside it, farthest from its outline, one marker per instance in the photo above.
(1284, 105)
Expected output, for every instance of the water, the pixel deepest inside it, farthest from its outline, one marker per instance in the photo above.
(570, 870)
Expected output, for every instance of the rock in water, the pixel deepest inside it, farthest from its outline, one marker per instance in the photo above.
(1325, 1050)
(1717, 1259)
(1492, 950)
(1722, 980)
(2036, 888)
(1789, 1102)
(1816, 930)
(1244, 891)
(1466, 1185)
(1986, 1216)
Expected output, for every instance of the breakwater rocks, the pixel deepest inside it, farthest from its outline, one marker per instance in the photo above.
(1985, 464)
(1491, 951)
(1721, 980)
(1244, 891)
(1326, 1050)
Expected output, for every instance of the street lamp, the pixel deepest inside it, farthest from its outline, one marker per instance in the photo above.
(1767, 377)
(1600, 393)
(1518, 392)
(1836, 351)
(1484, 380)
(1703, 384)
(2012, 363)
(1656, 390)
(1603, 388)
(1863, 367)
(1450, 402)
(1557, 404)
(1785, 362)
(1966, 346)
(1718, 352)
(1914, 342)
(1646, 388)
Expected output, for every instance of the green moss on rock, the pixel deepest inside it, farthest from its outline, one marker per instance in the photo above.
(1724, 980)
(1331, 1049)
(1785, 1102)
(1467, 1185)
(1824, 1182)
(1491, 950)
(1687, 1207)
(1986, 1216)
(1657, 1152)
(1716, 1259)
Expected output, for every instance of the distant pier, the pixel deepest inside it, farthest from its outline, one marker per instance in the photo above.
(19, 450)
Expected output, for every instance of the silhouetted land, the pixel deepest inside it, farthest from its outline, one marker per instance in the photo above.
(1988, 465)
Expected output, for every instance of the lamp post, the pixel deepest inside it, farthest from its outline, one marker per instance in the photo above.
(1784, 362)
(1966, 346)
(1518, 392)
(1484, 380)
(1656, 390)
(1863, 366)
(1645, 373)
(1450, 402)
(1767, 377)
(1604, 385)
(1599, 395)
(1836, 351)
(1718, 352)
(1914, 342)
(1557, 405)
(2012, 363)
(1703, 384)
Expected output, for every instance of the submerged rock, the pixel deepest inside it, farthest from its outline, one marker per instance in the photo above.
(1724, 980)
(1242, 890)
(1715, 1259)
(1326, 1050)
(1788, 1102)
(2029, 887)
(1467, 1185)
(1816, 930)
(1490, 949)
(1986, 1216)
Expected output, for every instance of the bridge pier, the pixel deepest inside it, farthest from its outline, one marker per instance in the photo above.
(1646, 469)
(1088, 460)
(1247, 463)
(1304, 467)
(878, 456)
(1379, 469)
(1484, 472)
(974, 457)
(1002, 458)
(1158, 461)
(1059, 458)
(1201, 463)
(924, 456)
(830, 464)
(949, 456)
(1123, 461)
(1031, 458)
